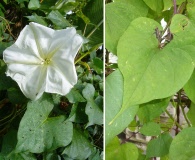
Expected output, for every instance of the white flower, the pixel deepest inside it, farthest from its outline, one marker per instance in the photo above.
(42, 60)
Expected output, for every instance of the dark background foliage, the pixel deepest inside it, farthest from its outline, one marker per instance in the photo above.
(77, 117)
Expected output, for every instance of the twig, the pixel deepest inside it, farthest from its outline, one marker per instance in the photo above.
(85, 65)
(86, 54)
(170, 116)
(175, 6)
(81, 57)
(95, 29)
(137, 140)
(8, 27)
(84, 30)
(184, 114)
(178, 109)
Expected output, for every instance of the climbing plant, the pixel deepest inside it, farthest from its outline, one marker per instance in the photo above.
(64, 38)
(150, 90)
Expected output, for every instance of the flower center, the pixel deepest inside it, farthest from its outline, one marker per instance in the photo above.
(46, 61)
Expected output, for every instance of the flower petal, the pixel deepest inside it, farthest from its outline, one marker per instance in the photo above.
(65, 43)
(62, 73)
(30, 78)
(58, 81)
(19, 72)
(67, 69)
(43, 37)
(33, 85)
(14, 54)
(35, 37)
(26, 40)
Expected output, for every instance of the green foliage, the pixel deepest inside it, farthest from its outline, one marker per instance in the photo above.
(55, 126)
(36, 126)
(58, 19)
(155, 73)
(156, 6)
(80, 148)
(93, 29)
(191, 114)
(183, 143)
(117, 151)
(74, 96)
(147, 66)
(150, 129)
(159, 147)
(37, 19)
(151, 110)
(113, 101)
(9, 143)
(33, 4)
(189, 87)
(94, 112)
(118, 17)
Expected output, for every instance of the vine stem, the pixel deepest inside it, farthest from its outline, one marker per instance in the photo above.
(84, 30)
(87, 53)
(85, 65)
(170, 116)
(81, 57)
(175, 6)
(178, 109)
(8, 27)
(184, 114)
(95, 29)
(137, 140)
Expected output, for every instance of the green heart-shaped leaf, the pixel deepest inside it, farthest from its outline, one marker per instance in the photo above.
(160, 146)
(113, 102)
(183, 145)
(151, 72)
(118, 17)
(116, 151)
(38, 132)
